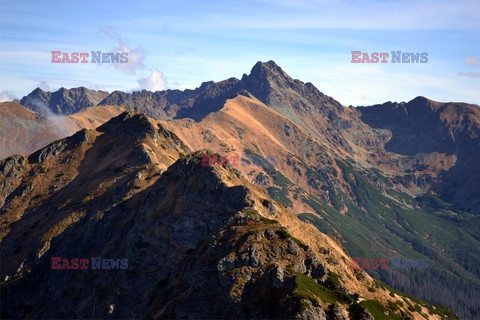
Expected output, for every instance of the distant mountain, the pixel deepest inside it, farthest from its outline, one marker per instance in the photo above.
(63, 101)
(169, 104)
(423, 126)
(200, 241)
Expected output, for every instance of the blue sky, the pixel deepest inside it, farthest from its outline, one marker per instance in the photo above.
(180, 44)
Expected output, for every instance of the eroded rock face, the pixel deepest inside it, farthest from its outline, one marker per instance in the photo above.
(316, 269)
(172, 138)
(255, 271)
(365, 315)
(335, 312)
(270, 206)
(262, 179)
(11, 172)
(11, 164)
(313, 311)
(78, 139)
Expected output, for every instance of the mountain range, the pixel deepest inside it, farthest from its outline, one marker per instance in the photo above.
(271, 240)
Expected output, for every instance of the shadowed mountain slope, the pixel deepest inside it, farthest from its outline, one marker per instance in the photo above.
(193, 235)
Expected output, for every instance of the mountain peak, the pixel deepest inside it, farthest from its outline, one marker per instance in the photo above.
(265, 69)
(420, 99)
(264, 78)
(130, 125)
(37, 90)
(422, 103)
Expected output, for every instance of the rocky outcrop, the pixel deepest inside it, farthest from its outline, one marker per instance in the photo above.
(78, 139)
(130, 126)
(11, 171)
(335, 312)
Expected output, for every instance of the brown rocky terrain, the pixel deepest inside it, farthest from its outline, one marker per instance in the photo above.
(398, 179)
(193, 235)
(417, 161)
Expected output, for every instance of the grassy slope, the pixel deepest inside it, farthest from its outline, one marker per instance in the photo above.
(394, 225)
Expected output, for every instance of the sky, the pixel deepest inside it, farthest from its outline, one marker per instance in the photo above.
(180, 44)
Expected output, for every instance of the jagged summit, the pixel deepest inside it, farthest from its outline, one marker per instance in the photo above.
(38, 90)
(269, 68)
(264, 77)
(63, 101)
(266, 81)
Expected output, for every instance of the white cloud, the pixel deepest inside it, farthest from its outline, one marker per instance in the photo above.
(7, 95)
(155, 82)
(57, 122)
